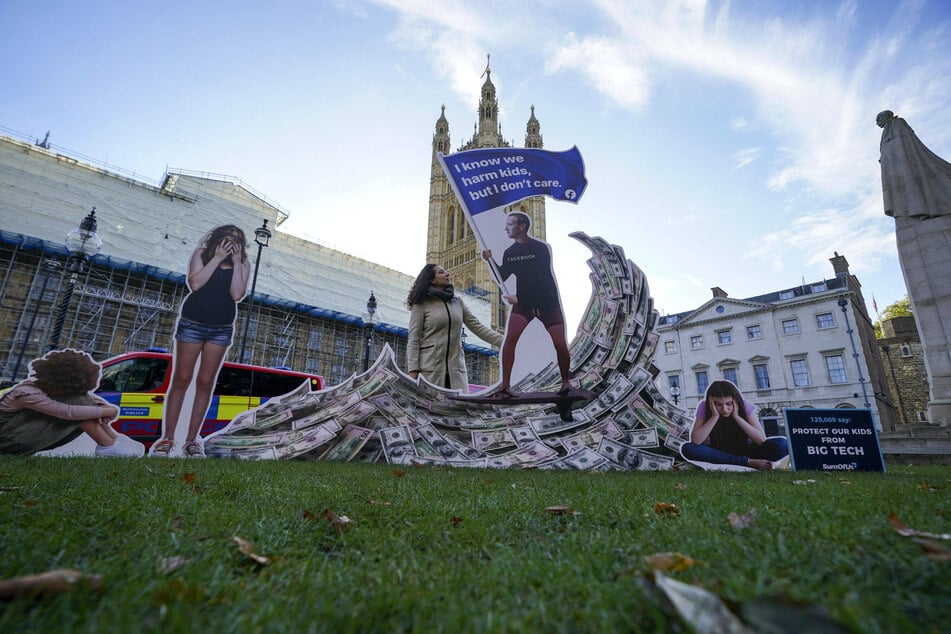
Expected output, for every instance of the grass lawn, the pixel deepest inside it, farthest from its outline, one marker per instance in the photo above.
(457, 550)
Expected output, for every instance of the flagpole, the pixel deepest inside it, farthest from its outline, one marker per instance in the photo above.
(493, 266)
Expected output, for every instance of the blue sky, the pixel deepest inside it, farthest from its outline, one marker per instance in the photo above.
(728, 144)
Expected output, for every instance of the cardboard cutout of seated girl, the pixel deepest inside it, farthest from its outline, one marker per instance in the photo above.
(727, 436)
(55, 404)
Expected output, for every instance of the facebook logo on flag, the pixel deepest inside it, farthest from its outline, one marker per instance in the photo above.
(494, 177)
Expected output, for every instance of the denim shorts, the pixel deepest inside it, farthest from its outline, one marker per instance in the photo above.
(189, 331)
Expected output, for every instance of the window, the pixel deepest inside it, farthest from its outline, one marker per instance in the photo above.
(703, 382)
(824, 320)
(800, 372)
(786, 294)
(905, 350)
(790, 326)
(761, 374)
(754, 332)
(696, 342)
(818, 288)
(673, 380)
(835, 364)
(729, 374)
(724, 336)
(670, 347)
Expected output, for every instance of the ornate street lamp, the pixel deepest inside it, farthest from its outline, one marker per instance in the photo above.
(82, 243)
(262, 235)
(675, 393)
(368, 330)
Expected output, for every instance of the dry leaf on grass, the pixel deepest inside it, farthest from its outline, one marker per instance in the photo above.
(308, 515)
(671, 562)
(9, 488)
(340, 523)
(666, 510)
(379, 503)
(167, 565)
(810, 481)
(904, 531)
(399, 473)
(702, 610)
(59, 580)
(742, 521)
(189, 477)
(455, 521)
(561, 510)
(247, 548)
(680, 486)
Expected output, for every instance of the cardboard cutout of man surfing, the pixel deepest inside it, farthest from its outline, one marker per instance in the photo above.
(485, 181)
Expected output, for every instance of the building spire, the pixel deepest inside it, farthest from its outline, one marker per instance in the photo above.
(488, 71)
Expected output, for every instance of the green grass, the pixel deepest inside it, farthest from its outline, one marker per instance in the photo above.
(507, 566)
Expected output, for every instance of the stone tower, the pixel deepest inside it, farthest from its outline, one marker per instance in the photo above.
(450, 241)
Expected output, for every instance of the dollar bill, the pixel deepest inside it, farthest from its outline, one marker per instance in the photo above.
(628, 457)
(491, 440)
(398, 447)
(584, 459)
(308, 442)
(349, 442)
(528, 455)
(446, 445)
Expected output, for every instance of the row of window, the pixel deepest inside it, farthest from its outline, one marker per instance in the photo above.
(790, 327)
(799, 370)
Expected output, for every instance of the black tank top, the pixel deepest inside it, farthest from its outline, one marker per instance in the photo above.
(212, 304)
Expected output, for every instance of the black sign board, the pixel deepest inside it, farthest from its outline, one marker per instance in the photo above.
(833, 440)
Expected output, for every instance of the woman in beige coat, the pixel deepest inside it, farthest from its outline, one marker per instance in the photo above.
(434, 348)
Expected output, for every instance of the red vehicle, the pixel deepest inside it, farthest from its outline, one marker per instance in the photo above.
(136, 382)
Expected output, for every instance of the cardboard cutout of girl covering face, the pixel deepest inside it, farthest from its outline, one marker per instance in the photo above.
(727, 436)
(218, 271)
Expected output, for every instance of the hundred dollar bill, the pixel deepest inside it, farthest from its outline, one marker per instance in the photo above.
(621, 344)
(523, 435)
(492, 440)
(553, 424)
(590, 437)
(643, 438)
(674, 443)
(613, 397)
(528, 455)
(349, 442)
(446, 445)
(584, 459)
(628, 457)
(592, 315)
(261, 453)
(398, 447)
(314, 438)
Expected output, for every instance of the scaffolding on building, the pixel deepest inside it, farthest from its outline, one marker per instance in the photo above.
(120, 306)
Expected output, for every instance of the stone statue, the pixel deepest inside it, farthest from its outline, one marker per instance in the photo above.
(916, 186)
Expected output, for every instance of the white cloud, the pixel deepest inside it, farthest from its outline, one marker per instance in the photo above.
(611, 66)
(746, 156)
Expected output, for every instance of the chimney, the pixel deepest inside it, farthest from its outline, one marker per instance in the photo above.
(840, 265)
(718, 293)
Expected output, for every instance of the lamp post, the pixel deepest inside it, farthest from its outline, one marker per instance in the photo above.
(675, 393)
(261, 237)
(368, 330)
(81, 243)
(843, 303)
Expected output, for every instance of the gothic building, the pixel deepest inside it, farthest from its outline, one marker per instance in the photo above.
(450, 241)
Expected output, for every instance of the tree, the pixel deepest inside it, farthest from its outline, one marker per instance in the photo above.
(900, 308)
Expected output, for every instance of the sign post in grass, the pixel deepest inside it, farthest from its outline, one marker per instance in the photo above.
(833, 440)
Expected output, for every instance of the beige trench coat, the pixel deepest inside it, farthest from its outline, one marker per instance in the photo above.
(434, 347)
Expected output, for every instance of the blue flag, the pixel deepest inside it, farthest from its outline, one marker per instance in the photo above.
(495, 177)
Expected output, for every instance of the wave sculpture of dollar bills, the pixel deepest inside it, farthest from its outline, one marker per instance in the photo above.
(383, 415)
